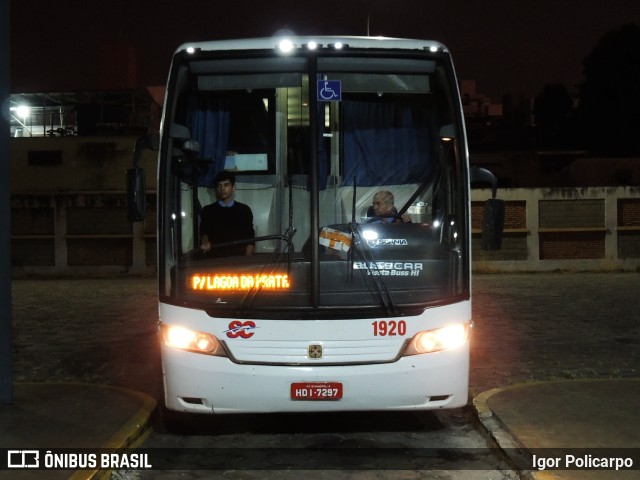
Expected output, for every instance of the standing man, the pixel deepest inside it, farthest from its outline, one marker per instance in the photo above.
(226, 221)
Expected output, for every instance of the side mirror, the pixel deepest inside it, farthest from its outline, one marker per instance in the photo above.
(493, 214)
(136, 189)
(492, 224)
(136, 194)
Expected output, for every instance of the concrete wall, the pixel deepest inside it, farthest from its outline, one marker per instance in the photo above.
(579, 229)
(68, 207)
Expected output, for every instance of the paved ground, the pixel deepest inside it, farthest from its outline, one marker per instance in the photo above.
(88, 330)
(554, 327)
(528, 327)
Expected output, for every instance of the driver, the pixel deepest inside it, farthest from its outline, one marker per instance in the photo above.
(383, 207)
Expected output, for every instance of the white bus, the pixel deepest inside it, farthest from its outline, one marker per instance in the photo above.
(336, 309)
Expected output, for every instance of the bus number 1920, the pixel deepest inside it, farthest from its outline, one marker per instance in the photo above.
(382, 328)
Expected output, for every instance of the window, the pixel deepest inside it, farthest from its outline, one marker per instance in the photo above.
(44, 158)
(235, 131)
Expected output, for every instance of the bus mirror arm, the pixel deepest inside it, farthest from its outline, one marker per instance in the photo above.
(482, 175)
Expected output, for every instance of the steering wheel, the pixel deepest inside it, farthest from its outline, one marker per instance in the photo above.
(380, 218)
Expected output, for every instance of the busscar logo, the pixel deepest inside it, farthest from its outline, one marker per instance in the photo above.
(390, 268)
(23, 459)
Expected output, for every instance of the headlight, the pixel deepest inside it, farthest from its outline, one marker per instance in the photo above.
(444, 338)
(185, 339)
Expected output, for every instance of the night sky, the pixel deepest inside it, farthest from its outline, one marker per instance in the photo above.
(508, 46)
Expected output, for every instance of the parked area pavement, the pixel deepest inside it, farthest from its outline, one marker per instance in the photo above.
(555, 365)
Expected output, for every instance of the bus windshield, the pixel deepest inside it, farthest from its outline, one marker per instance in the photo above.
(352, 165)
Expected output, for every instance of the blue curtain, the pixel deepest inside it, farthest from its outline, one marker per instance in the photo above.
(385, 143)
(208, 122)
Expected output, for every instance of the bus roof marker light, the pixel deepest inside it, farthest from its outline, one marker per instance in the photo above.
(191, 50)
(285, 45)
(433, 49)
(312, 45)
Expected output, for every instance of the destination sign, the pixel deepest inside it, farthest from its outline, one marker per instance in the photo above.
(239, 282)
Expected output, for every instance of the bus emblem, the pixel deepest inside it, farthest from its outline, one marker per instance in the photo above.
(240, 329)
(314, 351)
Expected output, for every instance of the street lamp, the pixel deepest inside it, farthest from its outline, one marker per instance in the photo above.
(23, 111)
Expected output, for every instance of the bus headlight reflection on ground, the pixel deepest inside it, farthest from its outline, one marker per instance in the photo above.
(185, 339)
(444, 338)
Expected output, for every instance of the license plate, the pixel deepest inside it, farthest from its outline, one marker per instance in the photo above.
(316, 391)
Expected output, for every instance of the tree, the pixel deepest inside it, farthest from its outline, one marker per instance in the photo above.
(609, 110)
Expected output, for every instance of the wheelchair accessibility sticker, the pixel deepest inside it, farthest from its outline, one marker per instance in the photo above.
(329, 90)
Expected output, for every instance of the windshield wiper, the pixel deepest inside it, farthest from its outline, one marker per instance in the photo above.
(369, 261)
(287, 238)
(371, 267)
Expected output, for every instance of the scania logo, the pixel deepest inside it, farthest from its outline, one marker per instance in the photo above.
(388, 242)
(314, 351)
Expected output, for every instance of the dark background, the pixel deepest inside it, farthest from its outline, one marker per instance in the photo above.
(509, 47)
